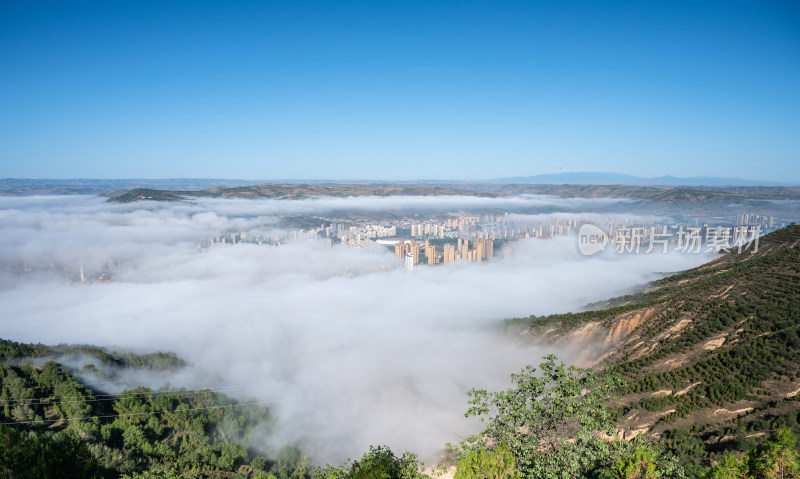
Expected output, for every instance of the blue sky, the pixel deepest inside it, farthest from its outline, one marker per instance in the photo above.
(399, 90)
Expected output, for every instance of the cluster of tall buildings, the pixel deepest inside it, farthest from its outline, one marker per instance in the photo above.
(272, 239)
(357, 236)
(463, 221)
(362, 232)
(411, 248)
(752, 219)
(471, 237)
(461, 225)
(482, 249)
(465, 226)
(427, 229)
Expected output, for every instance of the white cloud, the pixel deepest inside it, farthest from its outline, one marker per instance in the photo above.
(348, 349)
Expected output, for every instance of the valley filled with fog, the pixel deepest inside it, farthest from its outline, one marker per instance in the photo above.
(343, 346)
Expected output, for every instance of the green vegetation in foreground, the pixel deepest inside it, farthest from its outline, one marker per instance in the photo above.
(554, 422)
(53, 426)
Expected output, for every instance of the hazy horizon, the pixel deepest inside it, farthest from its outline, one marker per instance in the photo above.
(548, 176)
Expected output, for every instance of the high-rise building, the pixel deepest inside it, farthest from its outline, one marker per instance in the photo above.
(449, 253)
(400, 248)
(409, 263)
(430, 252)
(414, 251)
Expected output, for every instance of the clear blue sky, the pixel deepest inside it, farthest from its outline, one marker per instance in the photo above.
(399, 89)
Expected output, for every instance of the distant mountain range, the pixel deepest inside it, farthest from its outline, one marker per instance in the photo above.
(89, 186)
(600, 178)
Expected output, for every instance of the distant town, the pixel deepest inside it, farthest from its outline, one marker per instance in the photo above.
(475, 237)
(442, 239)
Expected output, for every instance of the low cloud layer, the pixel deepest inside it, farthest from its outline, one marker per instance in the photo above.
(346, 349)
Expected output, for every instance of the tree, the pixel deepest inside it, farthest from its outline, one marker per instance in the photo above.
(639, 466)
(550, 422)
(728, 468)
(379, 463)
(778, 458)
(773, 459)
(169, 474)
(482, 464)
(44, 455)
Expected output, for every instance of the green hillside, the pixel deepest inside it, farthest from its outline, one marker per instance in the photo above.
(711, 356)
(52, 425)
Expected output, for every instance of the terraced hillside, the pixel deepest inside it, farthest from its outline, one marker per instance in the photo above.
(711, 356)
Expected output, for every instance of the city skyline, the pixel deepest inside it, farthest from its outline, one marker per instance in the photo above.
(466, 91)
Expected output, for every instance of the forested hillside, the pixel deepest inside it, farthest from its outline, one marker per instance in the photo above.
(51, 425)
(710, 357)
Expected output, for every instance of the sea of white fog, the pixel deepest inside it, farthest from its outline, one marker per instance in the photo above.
(345, 348)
